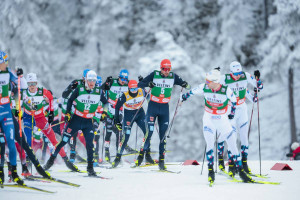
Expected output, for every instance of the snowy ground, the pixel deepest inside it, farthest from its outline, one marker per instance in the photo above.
(142, 183)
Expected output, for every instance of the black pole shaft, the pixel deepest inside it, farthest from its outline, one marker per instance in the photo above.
(259, 149)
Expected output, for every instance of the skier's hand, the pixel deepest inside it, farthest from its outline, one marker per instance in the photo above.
(259, 84)
(257, 74)
(185, 85)
(96, 125)
(74, 85)
(119, 126)
(151, 84)
(103, 116)
(67, 117)
(184, 97)
(19, 72)
(140, 78)
(50, 117)
(17, 113)
(230, 116)
(255, 97)
(107, 83)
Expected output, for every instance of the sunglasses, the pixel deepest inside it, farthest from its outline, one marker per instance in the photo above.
(166, 69)
(133, 89)
(207, 81)
(32, 84)
(237, 73)
(124, 79)
(92, 80)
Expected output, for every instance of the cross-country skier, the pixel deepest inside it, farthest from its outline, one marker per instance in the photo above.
(86, 99)
(132, 102)
(215, 119)
(237, 80)
(33, 103)
(161, 84)
(115, 88)
(6, 119)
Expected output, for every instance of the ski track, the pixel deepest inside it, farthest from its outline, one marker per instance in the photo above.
(142, 183)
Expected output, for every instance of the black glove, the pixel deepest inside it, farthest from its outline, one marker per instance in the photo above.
(140, 78)
(185, 84)
(257, 74)
(107, 83)
(67, 117)
(74, 85)
(184, 97)
(151, 84)
(19, 71)
(96, 124)
(103, 116)
(50, 117)
(17, 114)
(230, 116)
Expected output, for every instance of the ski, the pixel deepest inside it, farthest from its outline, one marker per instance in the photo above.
(54, 180)
(259, 176)
(167, 171)
(256, 182)
(27, 187)
(101, 177)
(81, 171)
(28, 178)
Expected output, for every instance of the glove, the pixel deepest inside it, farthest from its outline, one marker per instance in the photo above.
(184, 97)
(231, 115)
(255, 97)
(119, 126)
(257, 74)
(103, 116)
(140, 78)
(96, 124)
(50, 117)
(151, 84)
(67, 117)
(19, 71)
(259, 84)
(17, 113)
(74, 85)
(185, 84)
(107, 83)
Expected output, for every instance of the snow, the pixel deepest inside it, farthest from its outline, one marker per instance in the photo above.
(142, 183)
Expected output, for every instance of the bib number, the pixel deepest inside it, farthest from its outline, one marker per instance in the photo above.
(87, 107)
(162, 90)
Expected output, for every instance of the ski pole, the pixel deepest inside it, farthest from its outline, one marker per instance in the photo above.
(259, 136)
(170, 126)
(19, 108)
(57, 124)
(103, 142)
(203, 159)
(250, 120)
(216, 152)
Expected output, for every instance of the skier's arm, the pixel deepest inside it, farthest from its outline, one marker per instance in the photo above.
(249, 96)
(179, 81)
(49, 96)
(195, 91)
(74, 95)
(120, 103)
(69, 89)
(145, 82)
(103, 99)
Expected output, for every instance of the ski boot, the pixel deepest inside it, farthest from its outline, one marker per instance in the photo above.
(107, 155)
(90, 169)
(140, 158)
(148, 158)
(1, 176)
(117, 161)
(15, 176)
(245, 165)
(244, 176)
(211, 174)
(72, 156)
(42, 172)
(70, 165)
(231, 169)
(25, 171)
(49, 163)
(161, 163)
(130, 150)
(221, 163)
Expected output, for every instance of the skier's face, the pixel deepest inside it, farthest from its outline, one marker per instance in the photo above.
(236, 77)
(32, 86)
(91, 84)
(165, 71)
(3, 66)
(123, 81)
(213, 85)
